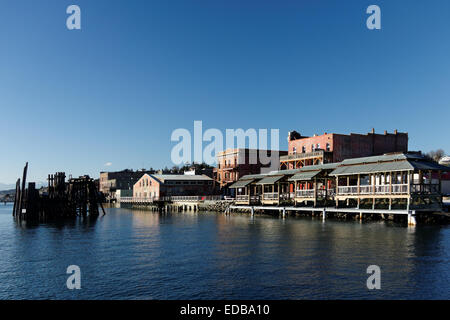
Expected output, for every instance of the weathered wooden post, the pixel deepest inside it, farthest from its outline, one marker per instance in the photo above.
(16, 197)
(22, 193)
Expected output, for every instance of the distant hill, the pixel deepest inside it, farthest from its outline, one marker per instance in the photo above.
(4, 186)
(8, 187)
(11, 193)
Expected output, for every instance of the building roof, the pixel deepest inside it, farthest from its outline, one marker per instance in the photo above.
(325, 166)
(386, 163)
(241, 183)
(270, 179)
(164, 177)
(253, 176)
(170, 177)
(303, 176)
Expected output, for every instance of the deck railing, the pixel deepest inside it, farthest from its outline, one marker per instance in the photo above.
(305, 193)
(242, 197)
(304, 155)
(138, 199)
(377, 189)
(425, 188)
(270, 196)
(169, 198)
(286, 196)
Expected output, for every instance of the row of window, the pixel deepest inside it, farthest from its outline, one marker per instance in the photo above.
(313, 147)
(146, 183)
(188, 182)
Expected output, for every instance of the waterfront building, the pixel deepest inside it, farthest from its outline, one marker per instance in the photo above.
(123, 194)
(110, 182)
(156, 186)
(332, 147)
(391, 181)
(233, 164)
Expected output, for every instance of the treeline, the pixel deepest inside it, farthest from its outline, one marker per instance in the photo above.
(435, 155)
(181, 169)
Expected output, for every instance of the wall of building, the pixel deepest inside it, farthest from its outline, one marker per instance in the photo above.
(353, 145)
(319, 142)
(149, 187)
(232, 164)
(146, 187)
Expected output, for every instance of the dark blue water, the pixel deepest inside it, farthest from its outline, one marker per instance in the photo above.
(144, 255)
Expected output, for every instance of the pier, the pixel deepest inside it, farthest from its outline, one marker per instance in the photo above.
(61, 199)
(173, 203)
(322, 212)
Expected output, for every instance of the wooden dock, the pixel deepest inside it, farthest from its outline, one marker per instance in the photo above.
(324, 211)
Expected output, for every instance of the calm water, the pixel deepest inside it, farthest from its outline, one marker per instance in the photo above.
(143, 255)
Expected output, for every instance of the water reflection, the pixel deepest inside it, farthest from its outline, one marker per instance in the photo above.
(138, 254)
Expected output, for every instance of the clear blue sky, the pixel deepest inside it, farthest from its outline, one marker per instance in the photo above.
(114, 92)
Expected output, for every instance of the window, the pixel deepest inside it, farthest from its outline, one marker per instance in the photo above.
(312, 147)
(328, 147)
(303, 149)
(318, 146)
(294, 150)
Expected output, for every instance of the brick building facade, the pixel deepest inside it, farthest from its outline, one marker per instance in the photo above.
(155, 186)
(235, 163)
(332, 147)
(110, 182)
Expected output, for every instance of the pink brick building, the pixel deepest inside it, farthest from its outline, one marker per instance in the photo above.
(332, 147)
(161, 185)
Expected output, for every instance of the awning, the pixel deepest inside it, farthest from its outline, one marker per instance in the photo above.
(270, 180)
(302, 176)
(241, 183)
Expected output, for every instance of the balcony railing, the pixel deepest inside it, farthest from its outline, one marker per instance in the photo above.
(377, 189)
(425, 188)
(304, 155)
(169, 198)
(286, 196)
(242, 197)
(270, 196)
(320, 193)
(305, 193)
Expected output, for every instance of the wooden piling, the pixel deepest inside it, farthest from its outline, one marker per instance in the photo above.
(22, 192)
(16, 197)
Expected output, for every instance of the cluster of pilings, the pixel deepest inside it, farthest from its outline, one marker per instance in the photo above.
(77, 197)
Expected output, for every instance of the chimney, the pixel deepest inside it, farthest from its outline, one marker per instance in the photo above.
(385, 132)
(373, 130)
(395, 131)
